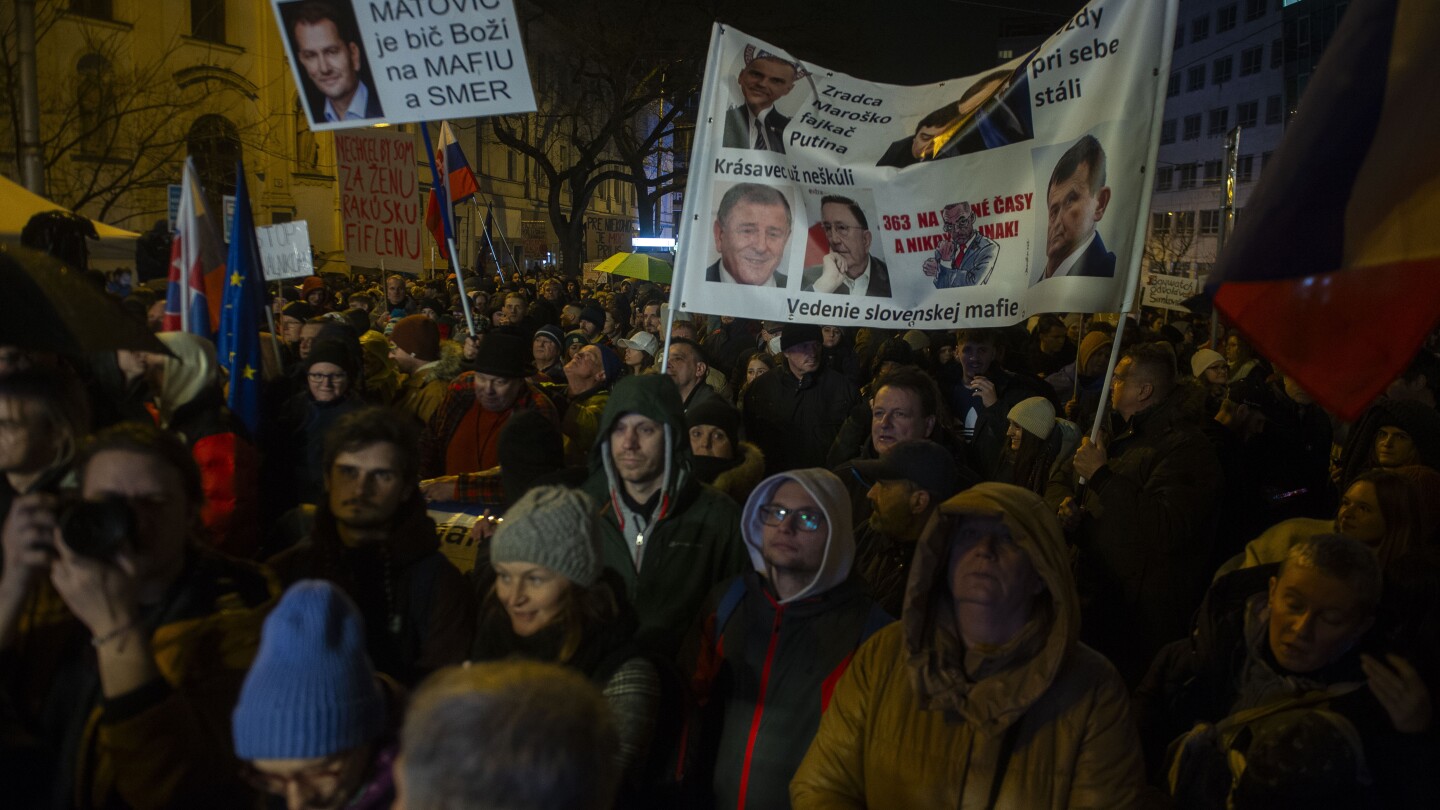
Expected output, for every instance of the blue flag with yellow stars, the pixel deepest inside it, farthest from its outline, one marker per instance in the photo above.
(239, 335)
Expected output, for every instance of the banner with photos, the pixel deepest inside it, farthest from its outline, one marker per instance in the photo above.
(818, 197)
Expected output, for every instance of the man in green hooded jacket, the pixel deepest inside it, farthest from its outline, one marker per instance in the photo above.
(669, 536)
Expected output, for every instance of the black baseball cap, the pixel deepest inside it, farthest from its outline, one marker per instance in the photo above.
(919, 461)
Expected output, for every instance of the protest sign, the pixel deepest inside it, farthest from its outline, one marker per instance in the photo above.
(362, 62)
(1167, 292)
(818, 197)
(285, 250)
(380, 199)
(453, 529)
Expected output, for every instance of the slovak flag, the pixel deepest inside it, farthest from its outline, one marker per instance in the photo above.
(197, 264)
(455, 176)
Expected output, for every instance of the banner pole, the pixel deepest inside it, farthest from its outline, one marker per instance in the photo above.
(1101, 411)
(669, 325)
(274, 339)
(485, 228)
(441, 195)
(1075, 392)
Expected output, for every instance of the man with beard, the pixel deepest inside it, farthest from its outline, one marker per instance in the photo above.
(121, 666)
(688, 367)
(906, 485)
(775, 639)
(849, 268)
(373, 539)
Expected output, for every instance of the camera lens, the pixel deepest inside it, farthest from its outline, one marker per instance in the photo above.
(98, 529)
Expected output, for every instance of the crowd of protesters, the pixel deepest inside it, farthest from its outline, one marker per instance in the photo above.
(719, 563)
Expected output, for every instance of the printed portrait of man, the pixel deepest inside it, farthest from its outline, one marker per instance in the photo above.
(966, 257)
(325, 42)
(752, 228)
(1076, 199)
(993, 111)
(849, 268)
(755, 123)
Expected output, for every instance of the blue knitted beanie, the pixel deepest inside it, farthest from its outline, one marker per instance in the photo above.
(312, 691)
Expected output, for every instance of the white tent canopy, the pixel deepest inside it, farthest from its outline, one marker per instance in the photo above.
(18, 205)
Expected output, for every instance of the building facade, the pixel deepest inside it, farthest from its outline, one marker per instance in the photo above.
(129, 88)
(1227, 73)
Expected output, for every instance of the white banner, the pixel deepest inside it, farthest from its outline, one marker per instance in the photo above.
(822, 198)
(1167, 292)
(362, 62)
(285, 250)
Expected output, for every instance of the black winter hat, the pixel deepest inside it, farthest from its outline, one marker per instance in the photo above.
(334, 351)
(719, 413)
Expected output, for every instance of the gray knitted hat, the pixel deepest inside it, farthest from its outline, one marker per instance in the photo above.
(553, 527)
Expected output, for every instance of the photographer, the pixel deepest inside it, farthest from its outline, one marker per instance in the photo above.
(136, 717)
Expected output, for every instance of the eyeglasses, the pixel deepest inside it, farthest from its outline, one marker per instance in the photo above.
(774, 515)
(313, 782)
(333, 379)
(840, 229)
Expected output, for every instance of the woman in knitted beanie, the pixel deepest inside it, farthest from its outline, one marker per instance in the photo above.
(552, 600)
(1035, 441)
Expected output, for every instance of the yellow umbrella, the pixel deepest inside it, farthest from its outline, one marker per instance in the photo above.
(637, 265)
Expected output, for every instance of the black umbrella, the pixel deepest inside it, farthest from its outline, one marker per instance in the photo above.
(46, 306)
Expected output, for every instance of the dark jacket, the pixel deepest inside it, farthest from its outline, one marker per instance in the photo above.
(690, 537)
(764, 679)
(795, 419)
(419, 612)
(165, 744)
(1145, 537)
(988, 439)
(1226, 665)
(737, 129)
(882, 565)
(294, 462)
(762, 667)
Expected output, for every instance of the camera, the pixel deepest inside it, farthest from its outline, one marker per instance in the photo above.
(98, 529)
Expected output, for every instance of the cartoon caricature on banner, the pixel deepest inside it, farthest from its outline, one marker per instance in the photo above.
(815, 196)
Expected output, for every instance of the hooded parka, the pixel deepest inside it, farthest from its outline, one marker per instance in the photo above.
(764, 667)
(920, 721)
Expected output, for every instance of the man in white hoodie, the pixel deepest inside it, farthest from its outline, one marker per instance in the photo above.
(773, 642)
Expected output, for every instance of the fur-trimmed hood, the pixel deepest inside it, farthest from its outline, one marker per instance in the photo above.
(445, 369)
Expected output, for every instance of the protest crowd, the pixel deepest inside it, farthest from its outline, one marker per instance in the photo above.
(717, 563)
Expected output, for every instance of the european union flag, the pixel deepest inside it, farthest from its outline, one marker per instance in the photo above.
(239, 337)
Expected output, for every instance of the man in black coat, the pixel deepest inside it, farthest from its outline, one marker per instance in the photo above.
(794, 414)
